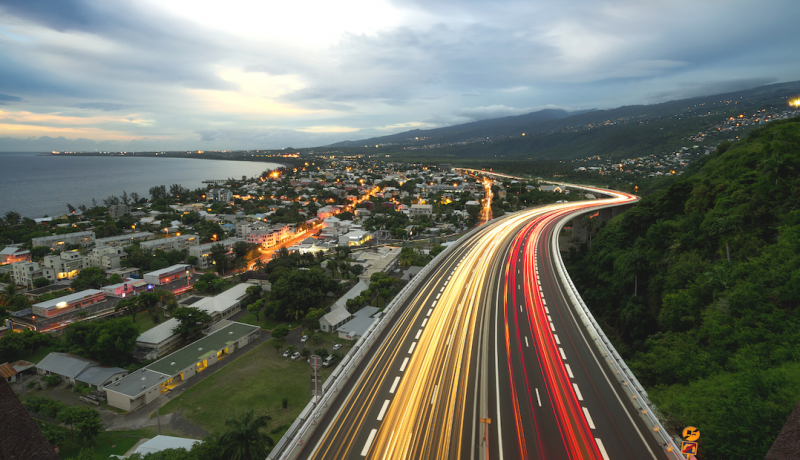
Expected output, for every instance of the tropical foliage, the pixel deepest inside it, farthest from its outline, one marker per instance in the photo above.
(699, 284)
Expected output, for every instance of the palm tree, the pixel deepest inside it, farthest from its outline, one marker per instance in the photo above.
(773, 167)
(8, 293)
(636, 261)
(725, 226)
(244, 439)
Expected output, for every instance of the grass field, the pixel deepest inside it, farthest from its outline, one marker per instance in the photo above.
(145, 322)
(258, 380)
(264, 323)
(108, 442)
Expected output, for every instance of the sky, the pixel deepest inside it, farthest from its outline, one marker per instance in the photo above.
(241, 74)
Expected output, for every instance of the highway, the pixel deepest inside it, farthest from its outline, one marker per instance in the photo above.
(487, 360)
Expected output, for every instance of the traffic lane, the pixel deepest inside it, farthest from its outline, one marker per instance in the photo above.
(367, 386)
(573, 433)
(616, 423)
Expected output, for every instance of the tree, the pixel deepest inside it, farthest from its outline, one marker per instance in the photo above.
(220, 257)
(244, 438)
(191, 260)
(41, 282)
(725, 226)
(131, 306)
(277, 345)
(281, 331)
(115, 279)
(89, 278)
(12, 218)
(149, 300)
(305, 353)
(191, 320)
(70, 208)
(89, 424)
(635, 261)
(255, 308)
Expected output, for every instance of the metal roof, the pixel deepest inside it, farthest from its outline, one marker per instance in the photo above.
(159, 333)
(138, 382)
(65, 364)
(98, 375)
(68, 298)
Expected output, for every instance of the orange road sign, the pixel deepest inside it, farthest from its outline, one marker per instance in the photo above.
(486, 420)
(691, 433)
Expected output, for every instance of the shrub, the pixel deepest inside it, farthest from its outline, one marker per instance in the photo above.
(51, 380)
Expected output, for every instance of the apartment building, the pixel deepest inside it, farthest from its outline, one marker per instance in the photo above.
(61, 241)
(172, 243)
(121, 240)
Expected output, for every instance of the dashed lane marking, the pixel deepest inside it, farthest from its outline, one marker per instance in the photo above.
(588, 418)
(383, 410)
(371, 438)
(414, 345)
(394, 385)
(561, 350)
(577, 391)
(569, 371)
(403, 366)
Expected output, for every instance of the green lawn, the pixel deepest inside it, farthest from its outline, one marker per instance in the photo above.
(258, 380)
(145, 322)
(108, 442)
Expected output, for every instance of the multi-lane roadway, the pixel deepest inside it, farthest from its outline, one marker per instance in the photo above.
(488, 360)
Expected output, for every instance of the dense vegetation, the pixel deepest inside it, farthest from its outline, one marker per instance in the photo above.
(699, 286)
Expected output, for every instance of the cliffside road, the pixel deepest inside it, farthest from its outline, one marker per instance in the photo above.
(487, 360)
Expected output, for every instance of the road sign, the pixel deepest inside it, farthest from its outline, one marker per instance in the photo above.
(689, 447)
(486, 420)
(315, 361)
(691, 433)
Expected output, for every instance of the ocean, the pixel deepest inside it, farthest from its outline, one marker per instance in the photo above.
(36, 185)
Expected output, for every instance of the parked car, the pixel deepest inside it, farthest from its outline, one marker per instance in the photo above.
(295, 355)
(337, 346)
(328, 361)
(286, 354)
(304, 338)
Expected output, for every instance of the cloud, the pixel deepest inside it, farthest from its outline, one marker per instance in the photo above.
(5, 99)
(104, 106)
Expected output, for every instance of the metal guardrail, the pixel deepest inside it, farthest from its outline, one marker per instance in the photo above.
(627, 381)
(296, 437)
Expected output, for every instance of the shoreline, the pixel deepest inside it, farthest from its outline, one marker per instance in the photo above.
(154, 155)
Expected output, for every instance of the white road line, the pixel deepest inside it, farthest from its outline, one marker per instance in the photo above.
(424, 322)
(563, 356)
(371, 438)
(433, 398)
(544, 301)
(556, 337)
(448, 278)
(549, 318)
(418, 334)
(538, 398)
(438, 295)
(445, 283)
(577, 391)
(394, 385)
(569, 371)
(552, 328)
(403, 366)
(383, 410)
(526, 341)
(601, 448)
(520, 308)
(588, 418)
(414, 345)
(518, 287)
(442, 289)
(430, 310)
(433, 304)
(547, 310)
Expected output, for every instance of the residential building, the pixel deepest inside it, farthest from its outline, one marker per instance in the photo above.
(107, 258)
(355, 238)
(421, 210)
(12, 254)
(121, 240)
(24, 273)
(61, 305)
(118, 210)
(54, 242)
(550, 188)
(203, 251)
(125, 288)
(171, 243)
(145, 385)
(160, 340)
(168, 275)
(67, 264)
(223, 195)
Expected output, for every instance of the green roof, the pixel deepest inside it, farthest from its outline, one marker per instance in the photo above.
(192, 353)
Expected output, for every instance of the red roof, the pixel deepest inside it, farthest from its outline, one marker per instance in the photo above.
(7, 371)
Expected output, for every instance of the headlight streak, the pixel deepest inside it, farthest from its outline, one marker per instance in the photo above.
(427, 414)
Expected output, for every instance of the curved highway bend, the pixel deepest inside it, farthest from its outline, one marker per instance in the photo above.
(489, 336)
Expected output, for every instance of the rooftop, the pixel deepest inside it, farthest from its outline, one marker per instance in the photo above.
(201, 349)
(68, 298)
(159, 333)
(172, 269)
(138, 382)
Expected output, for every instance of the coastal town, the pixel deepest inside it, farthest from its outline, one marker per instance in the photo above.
(120, 307)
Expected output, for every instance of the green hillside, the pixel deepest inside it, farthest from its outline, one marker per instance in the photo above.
(714, 332)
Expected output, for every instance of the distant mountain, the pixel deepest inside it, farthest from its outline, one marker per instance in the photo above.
(490, 127)
(558, 134)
